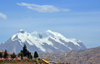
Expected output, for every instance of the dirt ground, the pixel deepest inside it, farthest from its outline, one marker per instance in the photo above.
(20, 63)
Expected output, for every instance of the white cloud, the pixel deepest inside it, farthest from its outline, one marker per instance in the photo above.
(43, 8)
(3, 16)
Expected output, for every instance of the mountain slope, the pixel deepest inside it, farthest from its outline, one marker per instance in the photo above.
(42, 42)
(88, 56)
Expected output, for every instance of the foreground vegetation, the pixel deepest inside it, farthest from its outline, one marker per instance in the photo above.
(39, 61)
(23, 54)
(24, 57)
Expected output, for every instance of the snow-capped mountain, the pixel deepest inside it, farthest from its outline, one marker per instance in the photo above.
(42, 42)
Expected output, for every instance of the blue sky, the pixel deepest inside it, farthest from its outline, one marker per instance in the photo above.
(78, 19)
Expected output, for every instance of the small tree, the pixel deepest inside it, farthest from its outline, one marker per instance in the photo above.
(13, 55)
(21, 54)
(36, 54)
(0, 55)
(5, 54)
(29, 55)
(25, 52)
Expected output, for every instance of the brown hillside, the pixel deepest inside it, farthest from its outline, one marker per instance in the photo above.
(76, 57)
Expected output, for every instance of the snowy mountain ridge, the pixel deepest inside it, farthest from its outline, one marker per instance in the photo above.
(46, 41)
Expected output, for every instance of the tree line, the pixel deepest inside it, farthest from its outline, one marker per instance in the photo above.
(23, 53)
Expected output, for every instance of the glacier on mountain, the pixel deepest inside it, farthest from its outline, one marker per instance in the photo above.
(47, 41)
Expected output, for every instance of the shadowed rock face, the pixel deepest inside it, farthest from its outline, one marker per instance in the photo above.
(40, 36)
(89, 56)
(46, 42)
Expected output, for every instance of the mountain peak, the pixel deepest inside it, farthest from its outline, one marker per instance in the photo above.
(49, 31)
(21, 31)
(48, 41)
